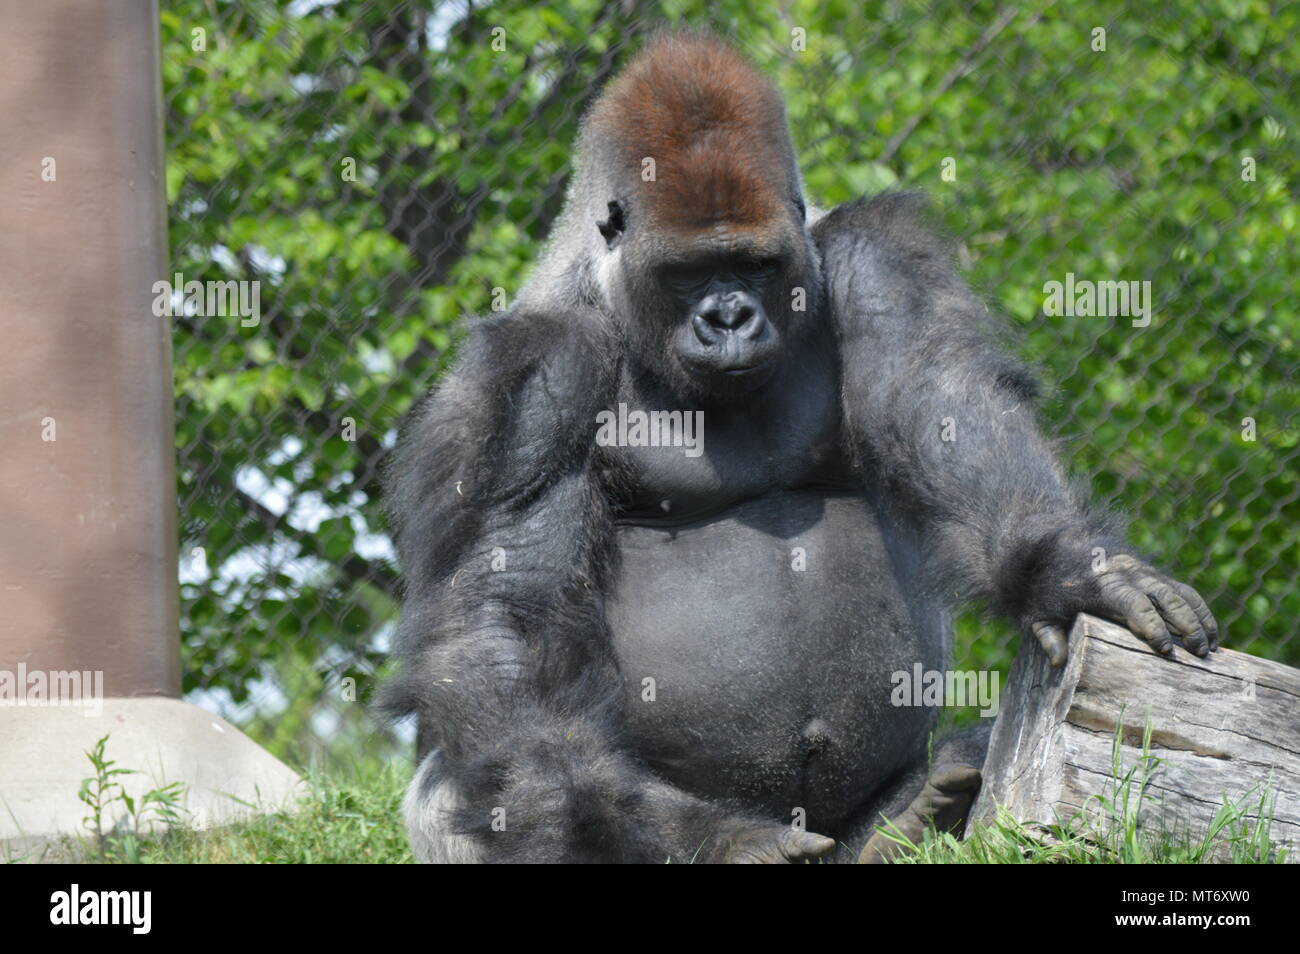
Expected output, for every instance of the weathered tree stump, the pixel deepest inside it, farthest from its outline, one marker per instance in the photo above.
(1228, 726)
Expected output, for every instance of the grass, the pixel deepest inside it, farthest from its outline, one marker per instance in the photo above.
(346, 817)
(1234, 836)
(353, 816)
(101, 791)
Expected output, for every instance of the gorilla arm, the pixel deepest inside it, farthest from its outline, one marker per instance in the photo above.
(505, 535)
(944, 420)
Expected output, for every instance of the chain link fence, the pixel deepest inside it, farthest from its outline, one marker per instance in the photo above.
(383, 170)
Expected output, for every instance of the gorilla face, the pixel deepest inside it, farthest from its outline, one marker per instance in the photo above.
(712, 315)
(722, 328)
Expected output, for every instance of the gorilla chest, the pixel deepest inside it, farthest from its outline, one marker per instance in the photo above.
(689, 463)
(757, 647)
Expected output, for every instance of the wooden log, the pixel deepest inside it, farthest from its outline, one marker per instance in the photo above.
(1228, 726)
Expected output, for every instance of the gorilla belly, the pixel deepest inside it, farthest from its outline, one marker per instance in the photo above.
(770, 633)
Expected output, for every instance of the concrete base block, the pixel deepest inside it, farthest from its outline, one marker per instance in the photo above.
(43, 760)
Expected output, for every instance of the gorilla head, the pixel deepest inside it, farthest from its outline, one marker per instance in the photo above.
(685, 222)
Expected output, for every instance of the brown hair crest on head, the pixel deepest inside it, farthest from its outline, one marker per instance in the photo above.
(714, 126)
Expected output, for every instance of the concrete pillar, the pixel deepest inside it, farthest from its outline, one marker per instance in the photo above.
(87, 493)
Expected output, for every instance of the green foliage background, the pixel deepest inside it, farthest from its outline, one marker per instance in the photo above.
(1125, 163)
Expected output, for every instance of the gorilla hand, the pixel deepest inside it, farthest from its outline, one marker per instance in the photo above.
(767, 844)
(1135, 594)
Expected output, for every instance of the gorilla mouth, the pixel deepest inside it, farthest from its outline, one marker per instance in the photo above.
(729, 362)
(729, 356)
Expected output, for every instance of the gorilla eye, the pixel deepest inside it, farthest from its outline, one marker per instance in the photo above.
(799, 204)
(756, 270)
(612, 228)
(687, 279)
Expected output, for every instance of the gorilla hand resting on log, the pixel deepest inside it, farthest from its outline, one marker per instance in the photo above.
(626, 650)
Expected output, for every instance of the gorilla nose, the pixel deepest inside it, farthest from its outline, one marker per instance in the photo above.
(727, 311)
(734, 313)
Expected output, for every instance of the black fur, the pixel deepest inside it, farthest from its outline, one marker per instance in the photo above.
(918, 349)
(509, 672)
(630, 566)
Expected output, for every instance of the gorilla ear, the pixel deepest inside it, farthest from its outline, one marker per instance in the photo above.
(612, 228)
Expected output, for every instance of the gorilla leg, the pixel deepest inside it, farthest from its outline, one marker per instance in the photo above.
(430, 802)
(938, 792)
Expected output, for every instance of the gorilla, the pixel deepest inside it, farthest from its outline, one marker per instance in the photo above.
(671, 523)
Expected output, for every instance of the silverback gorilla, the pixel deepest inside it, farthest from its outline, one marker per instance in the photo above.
(631, 651)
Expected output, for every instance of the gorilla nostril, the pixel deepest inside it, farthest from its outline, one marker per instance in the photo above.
(706, 330)
(740, 316)
(753, 326)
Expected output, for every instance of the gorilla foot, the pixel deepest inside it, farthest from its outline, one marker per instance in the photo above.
(943, 802)
(776, 845)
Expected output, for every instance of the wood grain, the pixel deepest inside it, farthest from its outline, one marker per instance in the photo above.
(1228, 726)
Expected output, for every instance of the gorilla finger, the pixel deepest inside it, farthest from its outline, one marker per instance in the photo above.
(799, 846)
(1170, 604)
(1208, 622)
(1141, 617)
(1054, 642)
